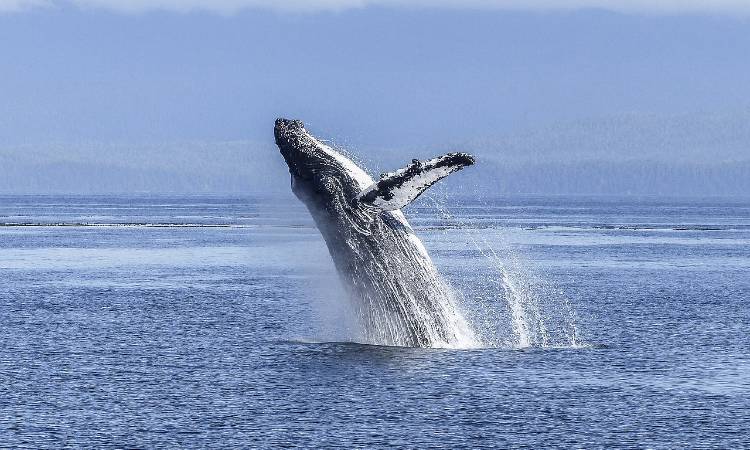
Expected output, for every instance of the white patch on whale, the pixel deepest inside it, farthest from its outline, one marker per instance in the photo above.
(397, 189)
(359, 175)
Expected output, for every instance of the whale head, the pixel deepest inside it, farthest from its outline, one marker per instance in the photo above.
(321, 176)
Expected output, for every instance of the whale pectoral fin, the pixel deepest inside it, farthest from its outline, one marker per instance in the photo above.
(397, 189)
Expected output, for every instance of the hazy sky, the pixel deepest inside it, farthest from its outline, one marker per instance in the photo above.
(373, 71)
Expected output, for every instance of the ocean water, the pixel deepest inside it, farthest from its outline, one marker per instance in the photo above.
(155, 322)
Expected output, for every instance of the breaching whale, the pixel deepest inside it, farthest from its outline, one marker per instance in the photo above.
(398, 294)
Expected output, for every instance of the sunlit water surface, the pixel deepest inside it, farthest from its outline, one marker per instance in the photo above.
(219, 322)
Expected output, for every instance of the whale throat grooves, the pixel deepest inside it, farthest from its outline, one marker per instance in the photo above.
(400, 297)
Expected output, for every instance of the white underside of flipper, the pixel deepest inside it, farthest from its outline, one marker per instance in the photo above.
(397, 189)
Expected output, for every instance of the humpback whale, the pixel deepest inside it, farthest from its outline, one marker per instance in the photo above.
(398, 294)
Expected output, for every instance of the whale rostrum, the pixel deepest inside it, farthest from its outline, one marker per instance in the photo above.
(398, 294)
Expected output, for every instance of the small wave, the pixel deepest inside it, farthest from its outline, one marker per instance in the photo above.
(143, 225)
(668, 227)
(583, 227)
(369, 345)
(479, 347)
(121, 225)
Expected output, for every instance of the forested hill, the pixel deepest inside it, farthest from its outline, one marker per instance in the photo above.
(632, 155)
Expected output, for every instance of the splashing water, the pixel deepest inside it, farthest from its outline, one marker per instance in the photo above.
(398, 296)
(411, 305)
(400, 299)
(537, 313)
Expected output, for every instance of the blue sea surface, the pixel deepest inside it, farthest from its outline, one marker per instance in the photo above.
(209, 322)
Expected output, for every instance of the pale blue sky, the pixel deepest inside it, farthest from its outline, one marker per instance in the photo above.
(375, 74)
